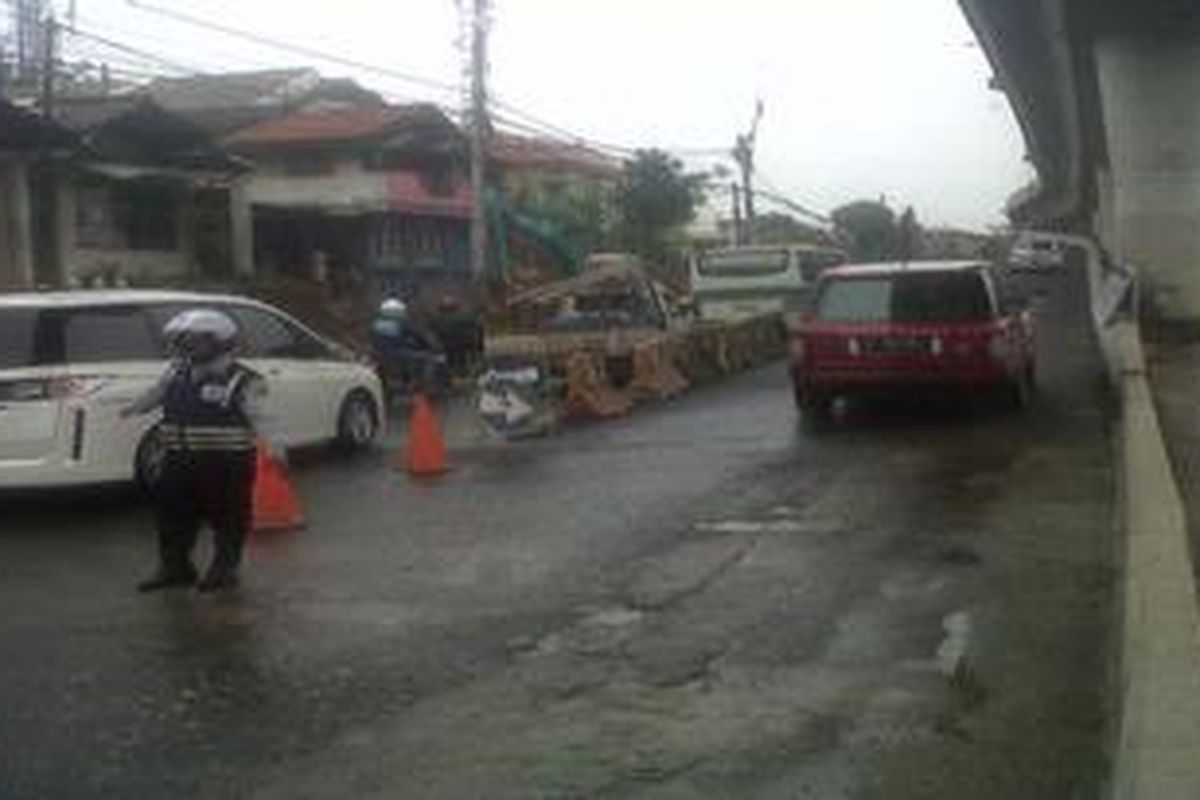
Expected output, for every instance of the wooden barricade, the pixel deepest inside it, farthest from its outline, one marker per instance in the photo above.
(589, 393)
(655, 376)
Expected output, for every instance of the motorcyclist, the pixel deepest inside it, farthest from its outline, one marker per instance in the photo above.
(408, 353)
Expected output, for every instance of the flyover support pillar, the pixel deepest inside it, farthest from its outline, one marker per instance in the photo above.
(1150, 194)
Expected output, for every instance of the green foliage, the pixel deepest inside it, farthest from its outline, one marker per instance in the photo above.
(657, 198)
(582, 215)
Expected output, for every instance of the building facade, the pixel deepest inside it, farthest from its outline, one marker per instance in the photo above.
(150, 198)
(29, 145)
(370, 195)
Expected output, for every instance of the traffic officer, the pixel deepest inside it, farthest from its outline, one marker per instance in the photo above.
(212, 412)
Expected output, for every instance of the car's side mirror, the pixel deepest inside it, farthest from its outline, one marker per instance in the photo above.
(1014, 304)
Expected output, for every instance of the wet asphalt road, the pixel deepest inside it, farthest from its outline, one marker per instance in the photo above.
(701, 600)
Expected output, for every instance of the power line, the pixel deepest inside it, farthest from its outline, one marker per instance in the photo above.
(792, 205)
(298, 49)
(774, 193)
(130, 50)
(599, 147)
(140, 39)
(780, 200)
(513, 117)
(145, 55)
(532, 122)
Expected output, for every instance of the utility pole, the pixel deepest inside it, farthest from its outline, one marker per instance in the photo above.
(743, 154)
(31, 31)
(736, 195)
(479, 138)
(49, 67)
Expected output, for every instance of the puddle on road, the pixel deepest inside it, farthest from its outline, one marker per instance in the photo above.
(785, 511)
(601, 632)
(776, 527)
(952, 653)
(912, 587)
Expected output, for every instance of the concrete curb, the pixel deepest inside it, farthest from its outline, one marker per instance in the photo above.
(1158, 747)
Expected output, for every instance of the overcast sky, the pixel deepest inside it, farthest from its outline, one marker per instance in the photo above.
(862, 97)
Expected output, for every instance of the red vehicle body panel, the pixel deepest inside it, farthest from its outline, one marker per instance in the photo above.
(830, 358)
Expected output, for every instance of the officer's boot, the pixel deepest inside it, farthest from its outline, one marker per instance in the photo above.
(168, 578)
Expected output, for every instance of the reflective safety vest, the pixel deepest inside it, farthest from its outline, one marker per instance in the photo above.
(206, 414)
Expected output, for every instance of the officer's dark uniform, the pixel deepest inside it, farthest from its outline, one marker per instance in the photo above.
(208, 474)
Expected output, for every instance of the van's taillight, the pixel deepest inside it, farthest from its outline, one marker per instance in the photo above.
(998, 346)
(77, 386)
(798, 349)
(60, 388)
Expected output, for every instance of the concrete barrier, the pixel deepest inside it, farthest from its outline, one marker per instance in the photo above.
(1158, 755)
(1158, 741)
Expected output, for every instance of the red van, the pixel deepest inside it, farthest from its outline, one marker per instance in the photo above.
(895, 328)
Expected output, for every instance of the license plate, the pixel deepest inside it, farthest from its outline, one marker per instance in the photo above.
(896, 344)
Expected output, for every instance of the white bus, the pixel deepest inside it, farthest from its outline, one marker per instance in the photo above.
(738, 282)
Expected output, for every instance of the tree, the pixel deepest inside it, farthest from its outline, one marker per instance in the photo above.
(909, 236)
(872, 233)
(657, 198)
(778, 228)
(582, 215)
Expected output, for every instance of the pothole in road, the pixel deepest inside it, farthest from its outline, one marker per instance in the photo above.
(958, 556)
(946, 549)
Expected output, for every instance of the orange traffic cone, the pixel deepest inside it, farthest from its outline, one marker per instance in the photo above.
(426, 451)
(275, 505)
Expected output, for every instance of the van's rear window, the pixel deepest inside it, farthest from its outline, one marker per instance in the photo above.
(103, 333)
(744, 264)
(17, 336)
(84, 335)
(913, 297)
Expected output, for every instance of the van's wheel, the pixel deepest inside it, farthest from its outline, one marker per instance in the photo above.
(148, 461)
(358, 422)
(816, 409)
(1018, 393)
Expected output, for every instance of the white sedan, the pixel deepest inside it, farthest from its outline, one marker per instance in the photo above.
(69, 361)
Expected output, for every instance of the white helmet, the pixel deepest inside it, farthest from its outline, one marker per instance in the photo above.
(216, 324)
(393, 308)
(201, 322)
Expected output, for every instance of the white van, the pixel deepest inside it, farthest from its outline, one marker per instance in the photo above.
(1031, 253)
(69, 361)
(738, 282)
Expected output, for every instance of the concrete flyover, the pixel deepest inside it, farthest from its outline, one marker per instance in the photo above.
(1107, 93)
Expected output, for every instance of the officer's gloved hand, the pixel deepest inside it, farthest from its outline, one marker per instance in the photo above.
(277, 453)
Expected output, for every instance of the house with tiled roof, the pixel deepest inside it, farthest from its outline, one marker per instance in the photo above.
(29, 145)
(552, 158)
(150, 197)
(374, 193)
(226, 102)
